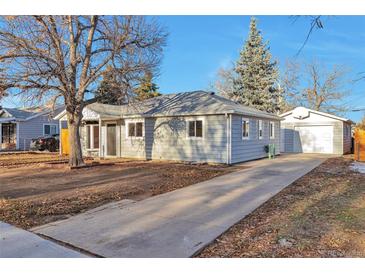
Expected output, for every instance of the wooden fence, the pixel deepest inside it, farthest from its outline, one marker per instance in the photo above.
(359, 145)
(65, 145)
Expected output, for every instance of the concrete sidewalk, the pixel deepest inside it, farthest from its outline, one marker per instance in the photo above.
(19, 243)
(181, 222)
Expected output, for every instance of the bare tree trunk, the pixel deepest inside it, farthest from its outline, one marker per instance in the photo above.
(74, 121)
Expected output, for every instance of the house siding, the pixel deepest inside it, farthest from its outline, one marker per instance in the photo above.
(252, 148)
(166, 138)
(132, 147)
(31, 129)
(347, 139)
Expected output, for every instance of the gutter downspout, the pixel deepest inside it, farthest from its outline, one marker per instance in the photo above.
(17, 136)
(60, 135)
(228, 142)
(101, 141)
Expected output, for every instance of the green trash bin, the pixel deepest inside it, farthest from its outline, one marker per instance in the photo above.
(271, 151)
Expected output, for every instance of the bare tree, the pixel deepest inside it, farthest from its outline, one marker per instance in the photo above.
(361, 124)
(224, 82)
(65, 57)
(314, 86)
(316, 22)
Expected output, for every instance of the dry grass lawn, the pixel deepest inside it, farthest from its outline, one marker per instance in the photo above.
(33, 195)
(321, 215)
(11, 160)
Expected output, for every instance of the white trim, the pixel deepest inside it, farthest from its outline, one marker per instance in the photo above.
(106, 139)
(317, 112)
(91, 141)
(227, 135)
(247, 120)
(260, 126)
(60, 136)
(273, 130)
(50, 124)
(194, 119)
(127, 129)
(100, 140)
(17, 135)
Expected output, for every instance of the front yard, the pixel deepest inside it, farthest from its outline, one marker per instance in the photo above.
(320, 215)
(33, 194)
(17, 159)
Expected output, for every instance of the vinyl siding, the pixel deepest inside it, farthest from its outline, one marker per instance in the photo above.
(166, 138)
(347, 139)
(132, 147)
(253, 148)
(31, 129)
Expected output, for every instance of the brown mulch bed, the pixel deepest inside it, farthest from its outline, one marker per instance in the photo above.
(320, 215)
(35, 195)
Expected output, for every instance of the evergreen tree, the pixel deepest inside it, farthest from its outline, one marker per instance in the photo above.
(110, 91)
(147, 89)
(257, 74)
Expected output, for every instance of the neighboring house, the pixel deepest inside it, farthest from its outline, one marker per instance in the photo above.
(19, 126)
(192, 126)
(308, 131)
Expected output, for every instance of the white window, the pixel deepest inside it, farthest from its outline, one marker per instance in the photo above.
(245, 129)
(49, 129)
(260, 132)
(195, 129)
(272, 130)
(347, 131)
(92, 136)
(135, 129)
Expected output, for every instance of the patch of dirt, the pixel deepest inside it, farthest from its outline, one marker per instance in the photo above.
(16, 159)
(35, 195)
(320, 215)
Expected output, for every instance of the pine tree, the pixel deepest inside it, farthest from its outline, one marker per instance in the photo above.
(257, 74)
(109, 91)
(147, 89)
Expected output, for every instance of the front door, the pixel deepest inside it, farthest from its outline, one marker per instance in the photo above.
(111, 140)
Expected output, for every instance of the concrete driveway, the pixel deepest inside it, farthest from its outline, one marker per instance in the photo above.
(181, 222)
(19, 243)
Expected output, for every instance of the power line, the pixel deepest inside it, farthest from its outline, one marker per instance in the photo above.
(359, 109)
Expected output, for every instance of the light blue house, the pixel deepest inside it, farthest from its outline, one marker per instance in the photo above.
(193, 126)
(19, 126)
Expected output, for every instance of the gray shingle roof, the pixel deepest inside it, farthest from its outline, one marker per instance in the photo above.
(105, 110)
(180, 104)
(17, 113)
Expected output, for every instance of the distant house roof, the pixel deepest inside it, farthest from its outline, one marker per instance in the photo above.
(178, 104)
(26, 114)
(298, 109)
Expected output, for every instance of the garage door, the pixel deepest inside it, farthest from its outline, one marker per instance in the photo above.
(313, 139)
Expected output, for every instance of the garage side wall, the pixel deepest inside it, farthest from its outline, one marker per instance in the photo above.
(347, 138)
(253, 147)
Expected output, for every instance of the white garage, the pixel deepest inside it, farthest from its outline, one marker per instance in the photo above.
(314, 139)
(308, 131)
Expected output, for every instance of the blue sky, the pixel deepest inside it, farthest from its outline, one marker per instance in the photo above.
(199, 45)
